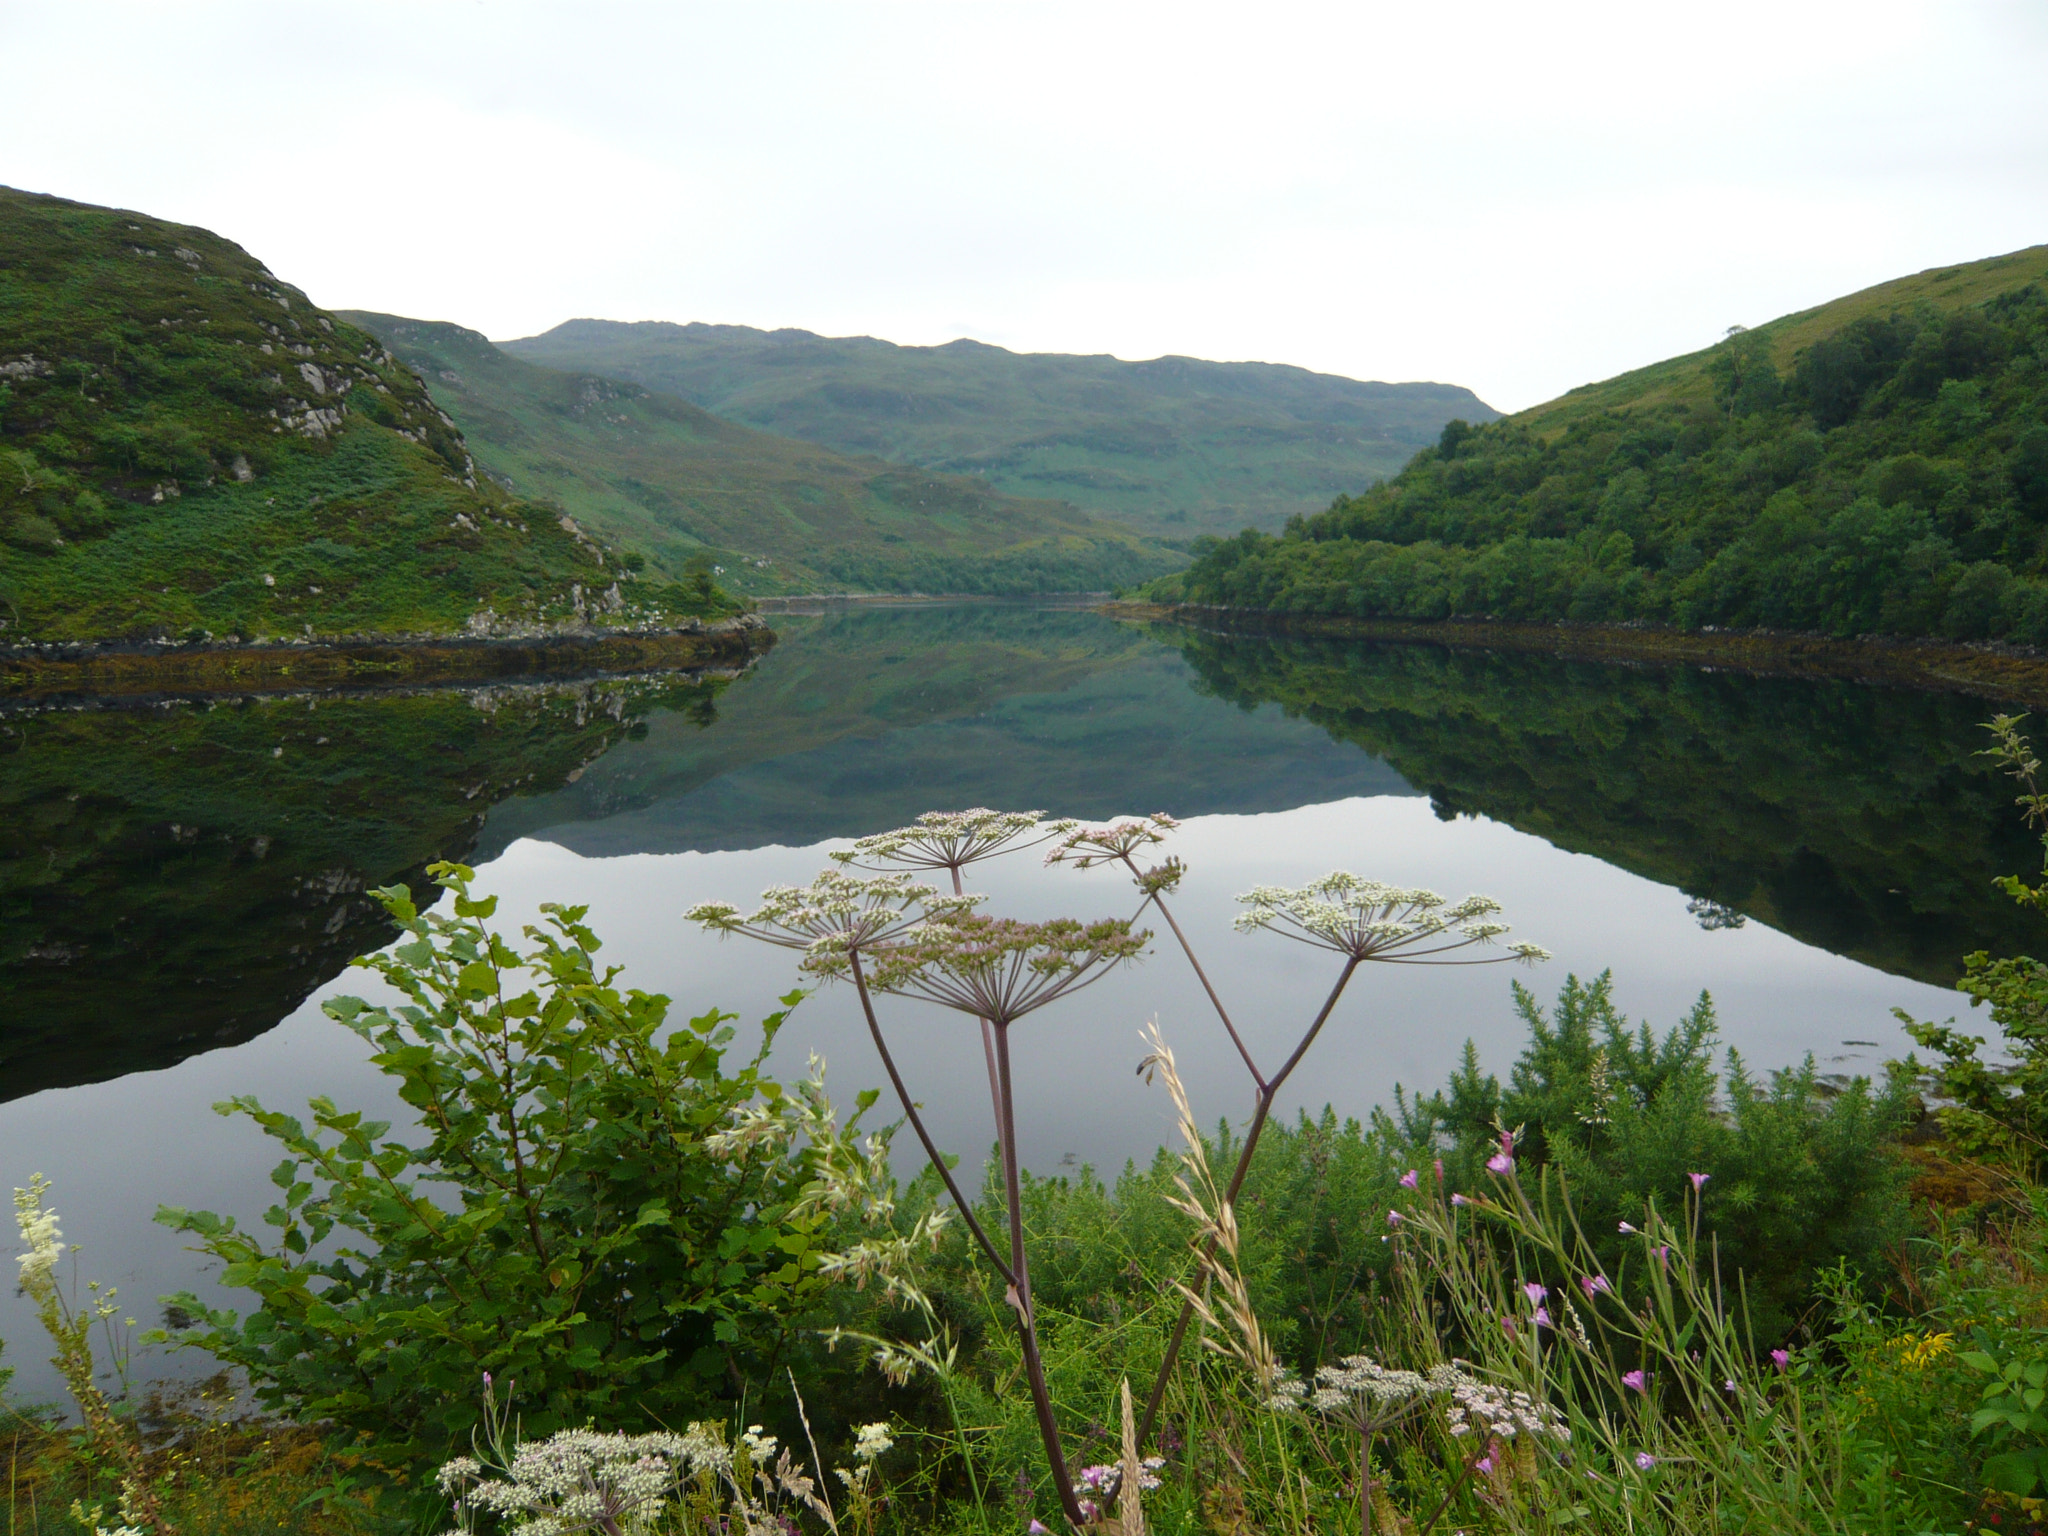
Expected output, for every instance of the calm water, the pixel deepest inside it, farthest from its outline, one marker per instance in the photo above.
(180, 886)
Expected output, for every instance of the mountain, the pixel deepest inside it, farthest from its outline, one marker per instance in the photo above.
(1172, 446)
(190, 448)
(779, 515)
(1878, 465)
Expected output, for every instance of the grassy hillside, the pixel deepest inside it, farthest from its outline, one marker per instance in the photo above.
(1878, 465)
(777, 514)
(1171, 446)
(188, 447)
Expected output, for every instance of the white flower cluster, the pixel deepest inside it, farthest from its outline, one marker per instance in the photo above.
(581, 1480)
(870, 1441)
(39, 1230)
(1370, 921)
(1085, 847)
(1362, 1381)
(951, 839)
(833, 913)
(1479, 1409)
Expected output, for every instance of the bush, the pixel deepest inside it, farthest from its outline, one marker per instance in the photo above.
(564, 1221)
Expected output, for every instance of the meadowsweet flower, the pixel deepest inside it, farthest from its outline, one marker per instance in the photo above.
(1633, 1380)
(1699, 1180)
(870, 1441)
(1410, 1179)
(40, 1231)
(1645, 1461)
(1370, 921)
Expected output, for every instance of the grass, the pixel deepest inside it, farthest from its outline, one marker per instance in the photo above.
(778, 515)
(1175, 446)
(189, 448)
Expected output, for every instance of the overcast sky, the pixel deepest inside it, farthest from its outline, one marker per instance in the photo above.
(1518, 198)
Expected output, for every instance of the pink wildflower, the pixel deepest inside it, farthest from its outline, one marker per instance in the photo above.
(1541, 1317)
(1410, 1179)
(1484, 1465)
(1627, 1229)
(1439, 1170)
(1035, 1529)
(1663, 1252)
(1394, 1218)
(1534, 1292)
(1782, 1359)
(1593, 1285)
(1698, 1180)
(1633, 1380)
(1459, 1200)
(1645, 1461)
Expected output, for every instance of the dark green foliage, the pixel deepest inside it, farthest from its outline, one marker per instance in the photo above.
(1895, 483)
(779, 515)
(1801, 1172)
(188, 447)
(559, 1221)
(1173, 446)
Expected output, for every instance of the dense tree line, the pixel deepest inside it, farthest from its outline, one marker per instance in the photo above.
(1896, 482)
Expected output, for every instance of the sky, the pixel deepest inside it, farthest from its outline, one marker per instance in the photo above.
(1516, 198)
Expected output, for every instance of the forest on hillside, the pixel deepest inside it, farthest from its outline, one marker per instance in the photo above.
(1893, 480)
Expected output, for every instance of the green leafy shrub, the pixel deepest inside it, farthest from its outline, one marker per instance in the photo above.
(562, 1220)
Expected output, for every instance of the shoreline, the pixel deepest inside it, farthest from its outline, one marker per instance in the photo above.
(368, 662)
(1993, 671)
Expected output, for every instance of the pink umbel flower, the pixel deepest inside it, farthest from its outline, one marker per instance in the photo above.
(1633, 1380)
(1645, 1461)
(1410, 1179)
(1534, 1292)
(1698, 1180)
(1782, 1359)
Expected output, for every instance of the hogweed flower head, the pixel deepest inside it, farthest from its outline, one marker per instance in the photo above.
(998, 967)
(1480, 1408)
(1370, 921)
(1371, 1396)
(951, 840)
(1085, 847)
(834, 914)
(582, 1480)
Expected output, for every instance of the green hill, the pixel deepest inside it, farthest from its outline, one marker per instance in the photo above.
(190, 448)
(779, 515)
(1878, 465)
(1171, 446)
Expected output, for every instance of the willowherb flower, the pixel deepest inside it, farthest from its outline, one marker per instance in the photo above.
(1627, 1230)
(1503, 1161)
(1633, 1380)
(1536, 1293)
(1395, 1218)
(951, 840)
(1593, 1285)
(1645, 1461)
(997, 967)
(1410, 1179)
(1782, 1359)
(1370, 921)
(834, 914)
(1698, 1181)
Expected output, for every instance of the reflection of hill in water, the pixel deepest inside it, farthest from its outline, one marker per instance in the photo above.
(858, 721)
(1853, 818)
(178, 878)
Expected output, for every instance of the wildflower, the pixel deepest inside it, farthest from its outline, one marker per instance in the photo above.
(1541, 1317)
(1663, 1252)
(1394, 1218)
(1439, 1166)
(1627, 1230)
(1484, 1465)
(1535, 1292)
(1410, 1179)
(1036, 1529)
(1503, 1161)
(1085, 847)
(39, 1230)
(1370, 921)
(870, 1441)
(1633, 1380)
(1698, 1180)
(951, 839)
(1782, 1358)
(1593, 1285)
(1728, 1385)
(1459, 1200)
(1645, 1461)
(1500, 1413)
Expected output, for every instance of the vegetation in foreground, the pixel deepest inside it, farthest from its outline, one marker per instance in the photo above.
(1875, 466)
(617, 1278)
(190, 449)
(1174, 446)
(775, 514)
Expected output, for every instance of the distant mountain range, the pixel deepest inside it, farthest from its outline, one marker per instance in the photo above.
(1174, 446)
(777, 515)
